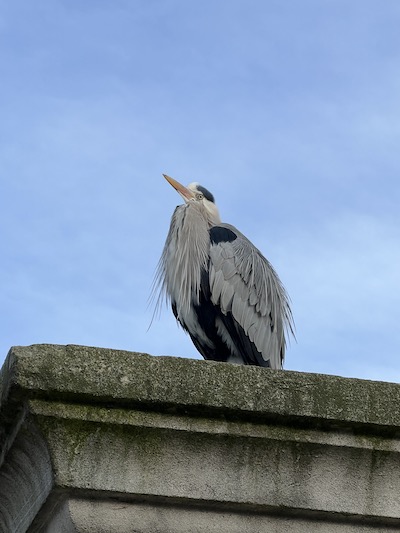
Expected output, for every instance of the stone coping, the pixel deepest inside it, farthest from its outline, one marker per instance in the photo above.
(119, 378)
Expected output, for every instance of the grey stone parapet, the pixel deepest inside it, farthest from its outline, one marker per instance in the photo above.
(95, 440)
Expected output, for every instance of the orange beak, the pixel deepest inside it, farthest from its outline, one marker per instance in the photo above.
(186, 193)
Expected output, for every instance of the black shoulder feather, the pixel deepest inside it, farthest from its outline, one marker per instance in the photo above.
(220, 234)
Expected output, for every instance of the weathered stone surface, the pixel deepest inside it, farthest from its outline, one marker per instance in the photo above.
(94, 516)
(100, 440)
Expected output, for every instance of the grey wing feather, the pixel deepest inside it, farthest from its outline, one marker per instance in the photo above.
(244, 283)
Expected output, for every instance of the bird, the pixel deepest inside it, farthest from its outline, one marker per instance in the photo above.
(223, 292)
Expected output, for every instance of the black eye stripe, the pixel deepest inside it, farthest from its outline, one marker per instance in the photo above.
(206, 193)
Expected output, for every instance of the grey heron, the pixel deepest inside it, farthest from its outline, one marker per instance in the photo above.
(224, 293)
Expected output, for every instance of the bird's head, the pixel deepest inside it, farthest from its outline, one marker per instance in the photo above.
(195, 194)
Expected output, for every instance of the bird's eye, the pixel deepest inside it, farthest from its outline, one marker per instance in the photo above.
(199, 196)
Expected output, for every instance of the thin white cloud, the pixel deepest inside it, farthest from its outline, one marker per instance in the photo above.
(345, 285)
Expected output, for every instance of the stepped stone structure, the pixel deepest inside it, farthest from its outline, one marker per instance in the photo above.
(100, 441)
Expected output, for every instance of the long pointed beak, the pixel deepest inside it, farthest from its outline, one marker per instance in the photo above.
(186, 193)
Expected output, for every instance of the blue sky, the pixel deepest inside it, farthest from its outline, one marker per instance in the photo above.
(289, 112)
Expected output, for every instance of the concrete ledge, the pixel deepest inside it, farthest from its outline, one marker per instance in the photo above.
(94, 516)
(176, 440)
(168, 383)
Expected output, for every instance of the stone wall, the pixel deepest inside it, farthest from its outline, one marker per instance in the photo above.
(101, 441)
